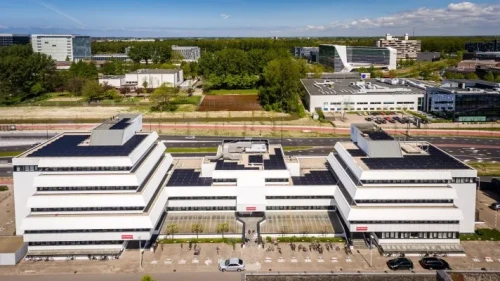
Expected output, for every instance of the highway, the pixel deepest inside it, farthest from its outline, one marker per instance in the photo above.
(464, 148)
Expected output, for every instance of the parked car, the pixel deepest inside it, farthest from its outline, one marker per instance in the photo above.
(434, 263)
(392, 120)
(400, 263)
(495, 206)
(368, 119)
(190, 137)
(232, 264)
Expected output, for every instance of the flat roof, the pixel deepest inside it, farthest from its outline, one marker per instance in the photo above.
(10, 244)
(112, 77)
(155, 71)
(416, 156)
(333, 86)
(77, 145)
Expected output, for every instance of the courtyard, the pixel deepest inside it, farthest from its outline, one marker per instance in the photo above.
(208, 222)
(310, 222)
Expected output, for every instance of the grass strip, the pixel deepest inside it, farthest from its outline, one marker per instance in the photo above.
(191, 149)
(486, 168)
(9, 153)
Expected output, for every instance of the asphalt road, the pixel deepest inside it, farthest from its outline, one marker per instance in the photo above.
(464, 148)
(206, 276)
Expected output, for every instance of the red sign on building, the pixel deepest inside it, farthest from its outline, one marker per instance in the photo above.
(251, 208)
(361, 228)
(127, 236)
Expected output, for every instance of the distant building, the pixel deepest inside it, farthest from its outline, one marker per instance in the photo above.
(491, 46)
(154, 77)
(473, 64)
(482, 56)
(465, 100)
(348, 58)
(14, 39)
(116, 81)
(189, 53)
(62, 47)
(309, 53)
(338, 95)
(428, 56)
(109, 57)
(407, 49)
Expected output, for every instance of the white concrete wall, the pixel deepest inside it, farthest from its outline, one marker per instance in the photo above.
(114, 82)
(58, 47)
(83, 236)
(466, 202)
(320, 100)
(23, 189)
(406, 227)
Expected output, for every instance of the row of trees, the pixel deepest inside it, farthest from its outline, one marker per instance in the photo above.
(472, 75)
(24, 74)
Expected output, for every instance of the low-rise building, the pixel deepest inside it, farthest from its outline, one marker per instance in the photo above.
(428, 56)
(406, 48)
(339, 95)
(465, 100)
(110, 57)
(348, 58)
(189, 53)
(153, 78)
(116, 81)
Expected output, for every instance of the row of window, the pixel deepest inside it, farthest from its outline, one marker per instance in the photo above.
(386, 102)
(277, 180)
(464, 180)
(299, 197)
(86, 188)
(417, 235)
(223, 180)
(86, 230)
(403, 181)
(409, 201)
(33, 168)
(404, 222)
(54, 243)
(203, 198)
(328, 207)
(87, 209)
(218, 208)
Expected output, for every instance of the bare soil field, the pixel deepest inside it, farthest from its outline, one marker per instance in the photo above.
(230, 103)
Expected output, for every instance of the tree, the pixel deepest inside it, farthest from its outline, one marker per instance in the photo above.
(145, 84)
(172, 229)
(471, 76)
(497, 79)
(197, 228)
(222, 228)
(147, 278)
(74, 85)
(92, 91)
(489, 77)
(162, 96)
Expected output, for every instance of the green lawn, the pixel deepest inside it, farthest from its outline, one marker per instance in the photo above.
(296, 148)
(234, 92)
(486, 169)
(9, 153)
(192, 149)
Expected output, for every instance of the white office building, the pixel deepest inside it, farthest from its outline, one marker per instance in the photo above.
(406, 48)
(348, 58)
(153, 78)
(62, 47)
(91, 193)
(189, 53)
(341, 95)
(82, 193)
(116, 81)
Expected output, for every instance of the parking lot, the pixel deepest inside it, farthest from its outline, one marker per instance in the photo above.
(312, 222)
(208, 221)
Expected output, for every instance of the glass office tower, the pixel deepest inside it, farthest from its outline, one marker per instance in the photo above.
(348, 58)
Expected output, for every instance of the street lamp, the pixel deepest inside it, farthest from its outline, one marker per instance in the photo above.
(371, 250)
(140, 253)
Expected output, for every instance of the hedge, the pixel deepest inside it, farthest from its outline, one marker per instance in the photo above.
(482, 234)
(269, 239)
(229, 241)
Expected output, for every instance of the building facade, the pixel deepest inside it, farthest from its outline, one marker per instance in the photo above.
(154, 78)
(309, 53)
(491, 46)
(116, 81)
(14, 39)
(83, 193)
(465, 100)
(406, 48)
(110, 57)
(349, 58)
(343, 95)
(62, 47)
(189, 53)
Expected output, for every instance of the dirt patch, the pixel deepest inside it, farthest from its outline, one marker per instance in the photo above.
(230, 103)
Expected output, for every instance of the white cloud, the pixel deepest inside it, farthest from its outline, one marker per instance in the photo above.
(3, 26)
(464, 14)
(225, 16)
(62, 14)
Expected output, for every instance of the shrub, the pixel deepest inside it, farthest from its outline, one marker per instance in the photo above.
(229, 241)
(482, 234)
(4, 188)
(306, 239)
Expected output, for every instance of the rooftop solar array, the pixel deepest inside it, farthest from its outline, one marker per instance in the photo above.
(315, 178)
(223, 165)
(436, 159)
(68, 146)
(257, 159)
(188, 177)
(380, 135)
(120, 125)
(276, 161)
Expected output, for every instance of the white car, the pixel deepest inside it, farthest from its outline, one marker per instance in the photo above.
(233, 264)
(190, 137)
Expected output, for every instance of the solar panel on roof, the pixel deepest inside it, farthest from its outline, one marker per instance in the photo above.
(68, 146)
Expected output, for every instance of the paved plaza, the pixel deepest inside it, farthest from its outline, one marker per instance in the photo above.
(319, 222)
(209, 222)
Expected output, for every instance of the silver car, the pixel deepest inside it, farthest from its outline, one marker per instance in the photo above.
(233, 264)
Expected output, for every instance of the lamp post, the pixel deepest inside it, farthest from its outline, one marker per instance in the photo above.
(140, 253)
(371, 250)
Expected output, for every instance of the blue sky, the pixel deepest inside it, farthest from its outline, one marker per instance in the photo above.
(186, 18)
